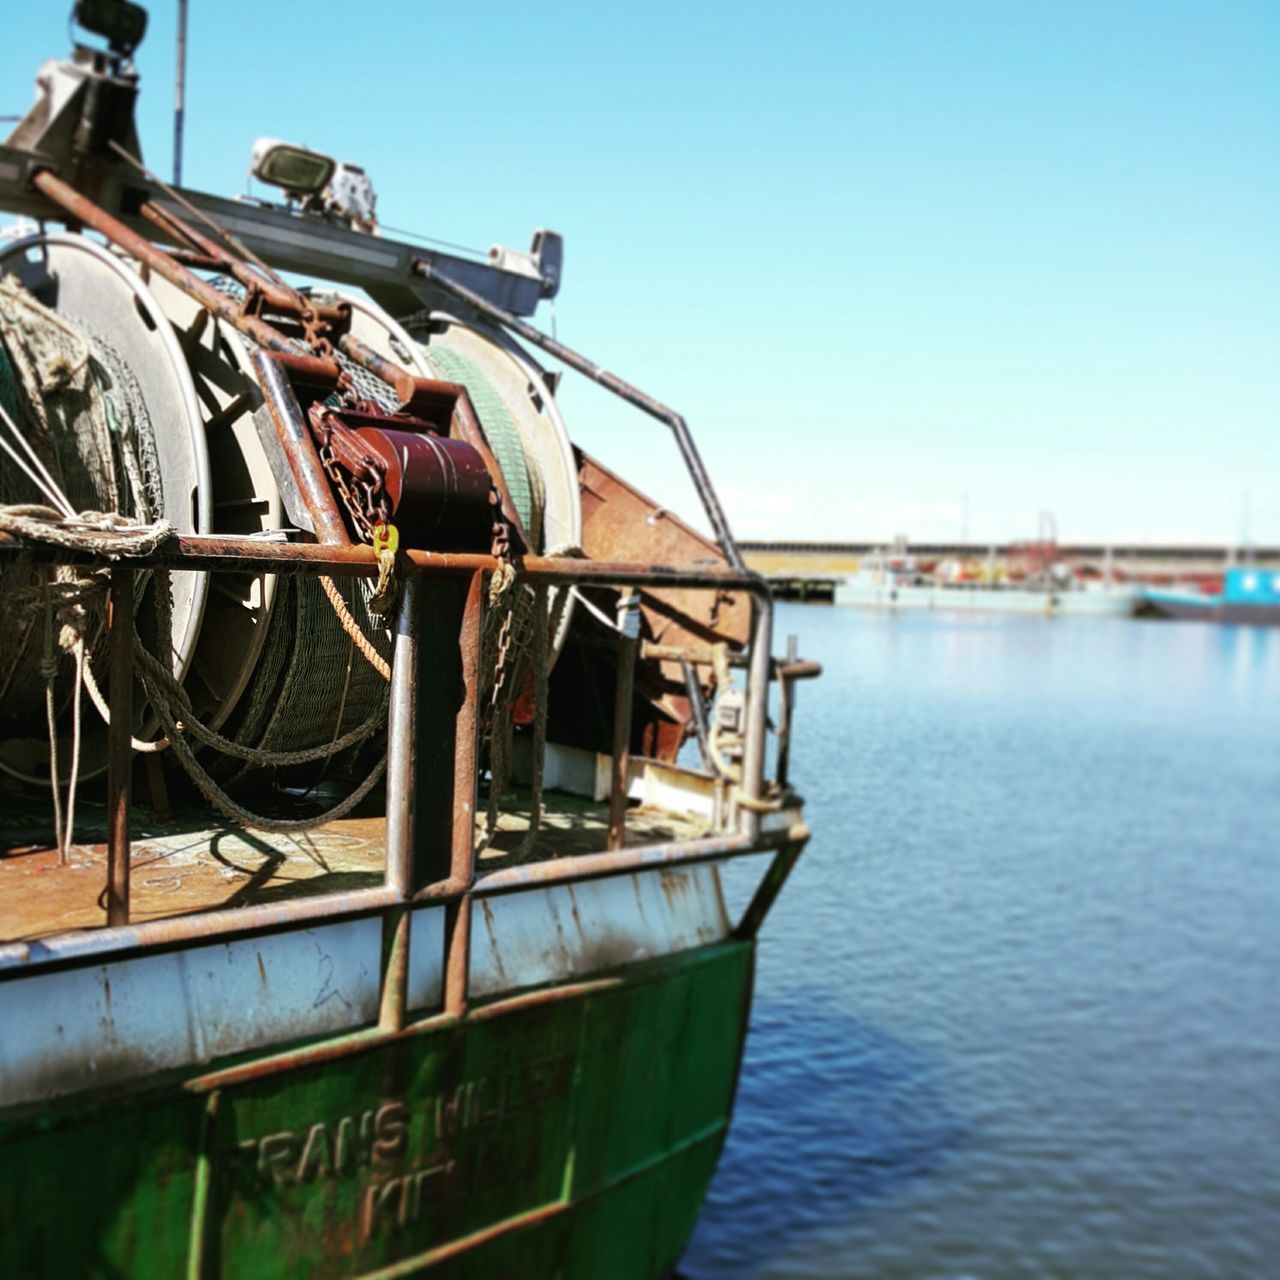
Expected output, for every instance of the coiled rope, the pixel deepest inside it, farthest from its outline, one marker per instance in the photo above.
(68, 601)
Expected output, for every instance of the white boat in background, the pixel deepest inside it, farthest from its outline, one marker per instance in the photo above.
(897, 582)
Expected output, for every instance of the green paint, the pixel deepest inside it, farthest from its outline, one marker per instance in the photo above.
(499, 428)
(205, 1164)
(574, 1138)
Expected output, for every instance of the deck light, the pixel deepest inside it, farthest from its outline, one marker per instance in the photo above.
(296, 170)
(119, 22)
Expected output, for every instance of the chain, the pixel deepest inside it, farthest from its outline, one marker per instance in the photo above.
(364, 495)
(500, 666)
(366, 502)
(354, 508)
(504, 576)
(315, 329)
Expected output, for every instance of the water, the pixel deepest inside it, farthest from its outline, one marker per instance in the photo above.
(1018, 1011)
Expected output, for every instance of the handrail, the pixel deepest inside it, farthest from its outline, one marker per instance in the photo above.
(401, 891)
(259, 555)
(611, 382)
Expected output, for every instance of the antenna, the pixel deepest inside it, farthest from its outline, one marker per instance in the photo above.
(180, 93)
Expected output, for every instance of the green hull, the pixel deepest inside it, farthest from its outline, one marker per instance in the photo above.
(571, 1137)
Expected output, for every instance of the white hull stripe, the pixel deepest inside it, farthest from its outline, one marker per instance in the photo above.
(85, 1028)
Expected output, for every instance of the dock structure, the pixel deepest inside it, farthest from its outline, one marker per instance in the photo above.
(817, 587)
(812, 570)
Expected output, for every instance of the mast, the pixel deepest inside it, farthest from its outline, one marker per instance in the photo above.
(180, 93)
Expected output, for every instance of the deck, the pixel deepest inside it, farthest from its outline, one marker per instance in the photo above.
(184, 865)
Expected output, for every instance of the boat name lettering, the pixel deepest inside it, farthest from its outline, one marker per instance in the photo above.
(376, 1138)
(288, 1158)
(393, 1203)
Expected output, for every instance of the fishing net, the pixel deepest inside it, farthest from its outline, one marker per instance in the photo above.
(77, 435)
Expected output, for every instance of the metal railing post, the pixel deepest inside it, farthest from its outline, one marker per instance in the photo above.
(462, 863)
(753, 750)
(402, 714)
(623, 696)
(119, 743)
(401, 747)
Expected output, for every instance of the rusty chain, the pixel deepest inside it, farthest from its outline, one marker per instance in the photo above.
(359, 478)
(342, 452)
(499, 585)
(500, 665)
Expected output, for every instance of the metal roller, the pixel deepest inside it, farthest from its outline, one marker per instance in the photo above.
(106, 301)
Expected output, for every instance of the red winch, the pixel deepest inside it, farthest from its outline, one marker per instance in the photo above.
(400, 469)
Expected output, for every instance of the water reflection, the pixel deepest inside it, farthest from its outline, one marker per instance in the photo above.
(832, 1115)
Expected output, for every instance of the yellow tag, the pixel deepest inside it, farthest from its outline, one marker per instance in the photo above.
(386, 537)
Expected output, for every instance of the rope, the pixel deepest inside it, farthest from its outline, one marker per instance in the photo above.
(165, 691)
(157, 680)
(386, 590)
(353, 629)
(103, 533)
(34, 470)
(162, 688)
(64, 849)
(501, 580)
(100, 703)
(237, 812)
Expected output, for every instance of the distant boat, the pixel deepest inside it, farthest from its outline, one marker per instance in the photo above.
(885, 582)
(1249, 594)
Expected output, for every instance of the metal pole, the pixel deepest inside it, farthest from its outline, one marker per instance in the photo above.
(753, 751)
(462, 868)
(397, 928)
(623, 696)
(786, 693)
(300, 451)
(119, 744)
(215, 552)
(84, 210)
(402, 742)
(697, 709)
(401, 716)
(594, 866)
(769, 888)
(180, 93)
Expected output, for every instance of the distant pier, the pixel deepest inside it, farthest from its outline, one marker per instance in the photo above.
(813, 570)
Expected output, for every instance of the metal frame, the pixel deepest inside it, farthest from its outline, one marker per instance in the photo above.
(414, 767)
(611, 382)
(310, 246)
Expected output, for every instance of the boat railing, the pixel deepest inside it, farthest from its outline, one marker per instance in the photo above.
(433, 757)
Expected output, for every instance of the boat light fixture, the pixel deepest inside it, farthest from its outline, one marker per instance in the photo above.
(294, 169)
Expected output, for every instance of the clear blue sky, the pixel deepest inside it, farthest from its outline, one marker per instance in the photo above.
(889, 258)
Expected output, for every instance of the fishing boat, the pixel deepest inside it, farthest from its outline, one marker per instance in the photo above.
(1248, 594)
(892, 582)
(369, 752)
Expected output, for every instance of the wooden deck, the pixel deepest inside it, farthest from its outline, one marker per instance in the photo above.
(185, 865)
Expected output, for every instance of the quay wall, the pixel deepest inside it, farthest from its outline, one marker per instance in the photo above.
(1142, 561)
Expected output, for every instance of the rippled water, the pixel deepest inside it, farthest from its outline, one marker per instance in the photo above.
(1018, 1012)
